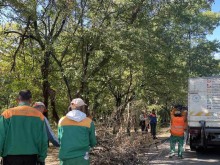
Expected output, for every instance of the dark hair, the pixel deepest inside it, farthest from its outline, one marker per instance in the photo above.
(24, 95)
(178, 107)
(178, 115)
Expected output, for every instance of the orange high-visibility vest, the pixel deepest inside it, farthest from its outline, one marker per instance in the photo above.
(177, 126)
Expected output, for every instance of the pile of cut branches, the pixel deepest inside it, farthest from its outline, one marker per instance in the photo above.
(120, 149)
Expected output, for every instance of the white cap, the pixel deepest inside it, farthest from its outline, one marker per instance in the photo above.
(38, 103)
(78, 102)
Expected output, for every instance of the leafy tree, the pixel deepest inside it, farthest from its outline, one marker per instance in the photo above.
(111, 53)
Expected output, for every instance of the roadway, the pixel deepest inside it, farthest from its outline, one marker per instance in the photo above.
(202, 157)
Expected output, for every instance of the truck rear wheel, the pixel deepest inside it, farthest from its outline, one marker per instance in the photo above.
(192, 147)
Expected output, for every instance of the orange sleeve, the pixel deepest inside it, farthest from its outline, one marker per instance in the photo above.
(172, 112)
(184, 113)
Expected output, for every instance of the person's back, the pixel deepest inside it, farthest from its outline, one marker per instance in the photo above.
(22, 135)
(79, 133)
(142, 123)
(177, 125)
(177, 131)
(178, 121)
(153, 123)
(76, 134)
(51, 137)
(153, 118)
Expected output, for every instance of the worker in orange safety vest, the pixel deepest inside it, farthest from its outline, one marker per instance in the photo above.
(177, 131)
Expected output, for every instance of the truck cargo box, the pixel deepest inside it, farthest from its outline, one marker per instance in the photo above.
(204, 101)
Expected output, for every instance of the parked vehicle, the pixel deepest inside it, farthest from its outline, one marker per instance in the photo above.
(204, 112)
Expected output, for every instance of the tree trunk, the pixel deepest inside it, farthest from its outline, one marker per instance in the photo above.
(45, 75)
(120, 109)
(129, 120)
(118, 118)
(53, 105)
(65, 79)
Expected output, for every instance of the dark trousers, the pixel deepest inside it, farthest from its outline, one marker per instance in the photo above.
(143, 128)
(153, 129)
(20, 160)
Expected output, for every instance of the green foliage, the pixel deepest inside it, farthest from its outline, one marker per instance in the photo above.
(108, 52)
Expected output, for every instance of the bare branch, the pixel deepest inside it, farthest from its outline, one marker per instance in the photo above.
(37, 34)
(65, 79)
(26, 36)
(64, 52)
(20, 43)
(45, 28)
(12, 31)
(60, 30)
(54, 24)
(135, 12)
(100, 65)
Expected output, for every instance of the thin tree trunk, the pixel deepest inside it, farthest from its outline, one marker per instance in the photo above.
(53, 105)
(45, 75)
(129, 120)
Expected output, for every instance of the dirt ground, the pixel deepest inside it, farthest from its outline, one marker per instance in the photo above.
(52, 158)
(142, 152)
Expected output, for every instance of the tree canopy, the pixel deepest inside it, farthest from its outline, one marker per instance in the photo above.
(111, 53)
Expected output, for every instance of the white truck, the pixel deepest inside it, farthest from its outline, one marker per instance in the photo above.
(204, 112)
